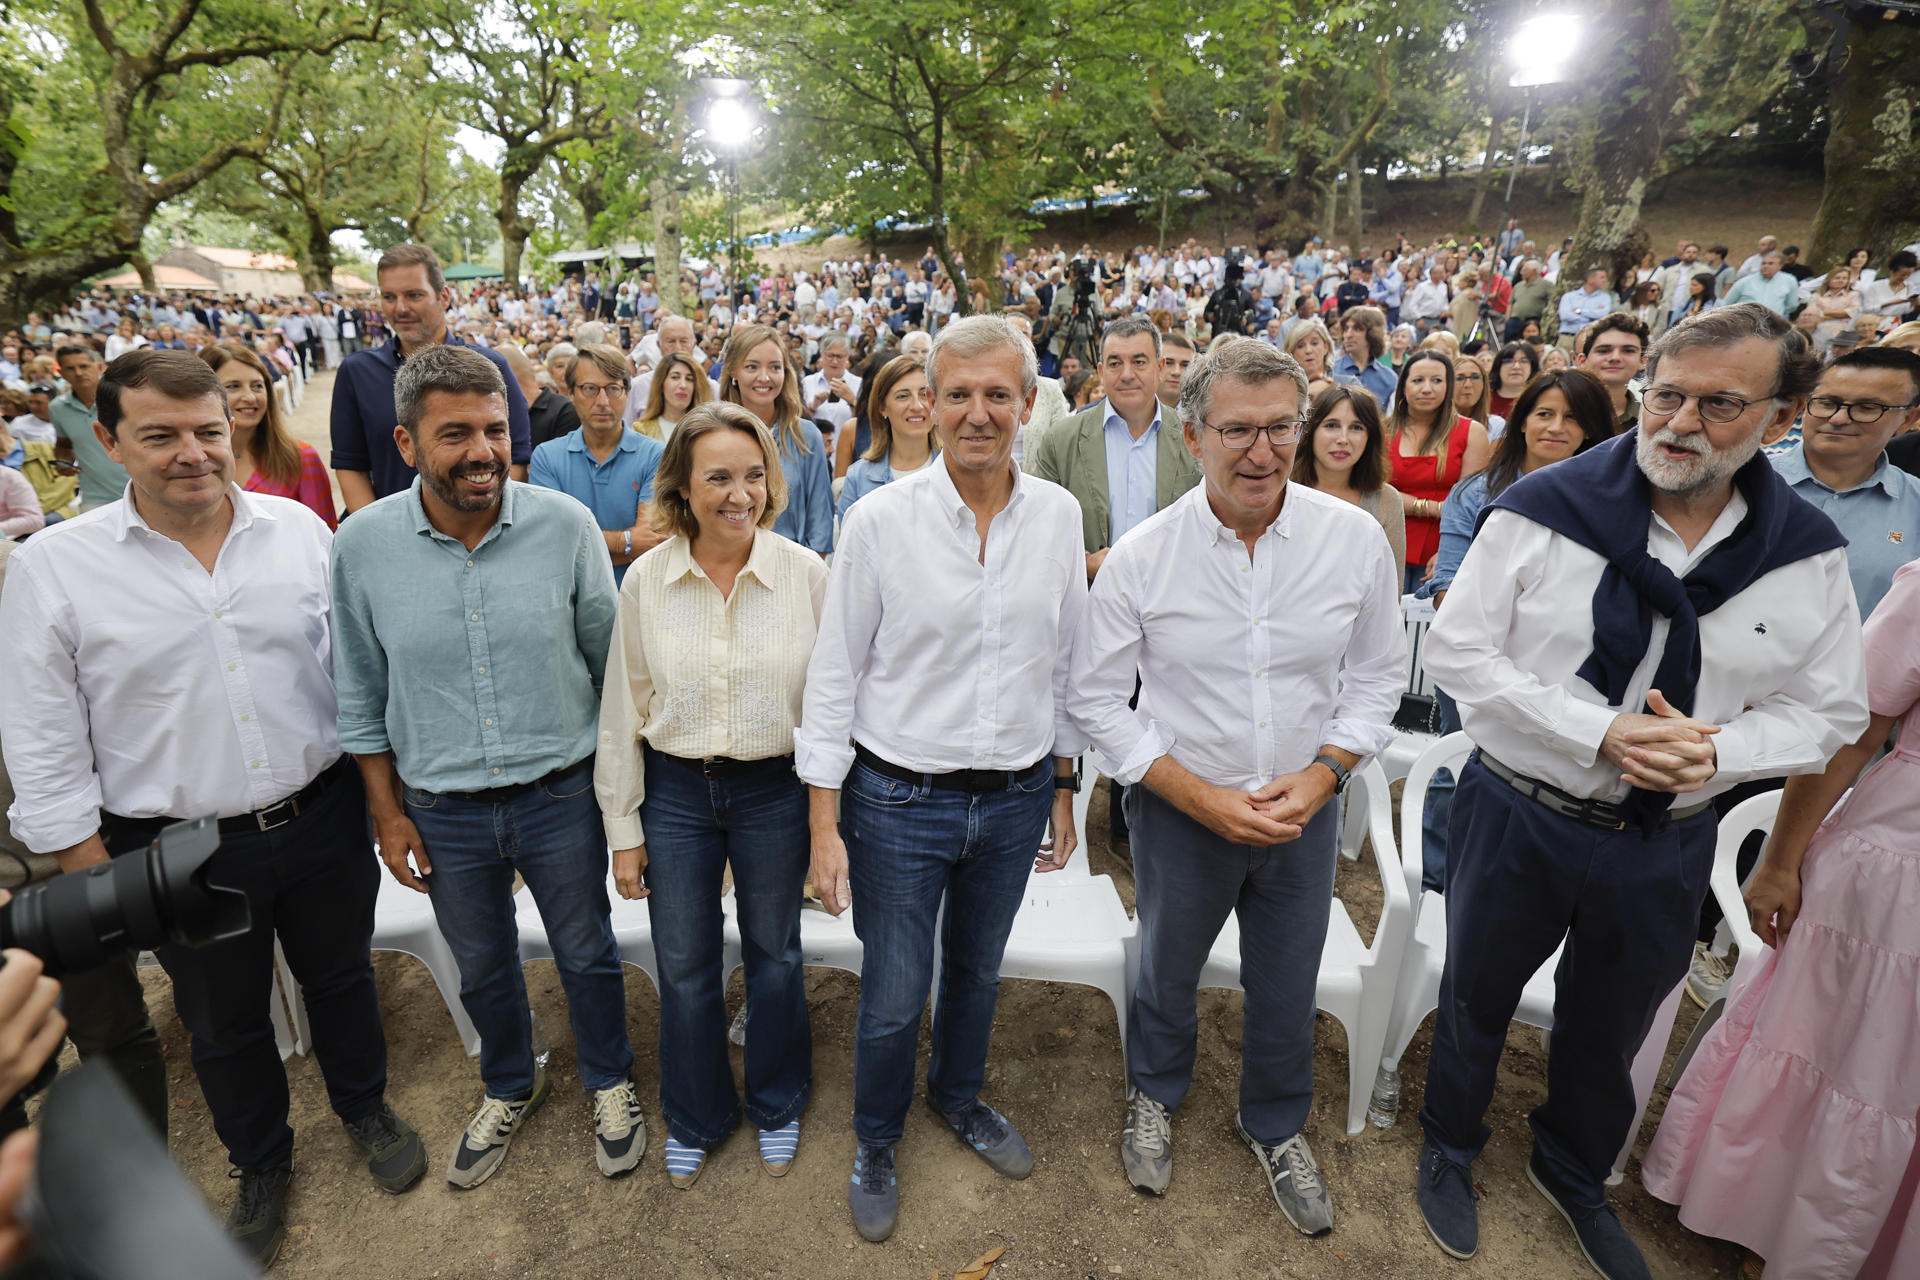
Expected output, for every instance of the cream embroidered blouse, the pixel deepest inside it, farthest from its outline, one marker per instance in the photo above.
(696, 675)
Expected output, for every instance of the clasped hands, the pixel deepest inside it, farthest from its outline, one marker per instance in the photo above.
(1665, 751)
(1274, 814)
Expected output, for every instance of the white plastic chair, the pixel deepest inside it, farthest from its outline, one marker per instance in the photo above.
(1425, 960)
(403, 921)
(632, 932)
(1356, 980)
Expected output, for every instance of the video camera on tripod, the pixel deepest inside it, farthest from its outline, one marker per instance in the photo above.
(1081, 334)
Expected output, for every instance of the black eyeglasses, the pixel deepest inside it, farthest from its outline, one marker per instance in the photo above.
(1863, 412)
(1240, 435)
(1714, 407)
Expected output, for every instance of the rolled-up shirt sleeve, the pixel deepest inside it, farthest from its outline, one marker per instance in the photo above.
(849, 620)
(1375, 670)
(359, 663)
(619, 773)
(44, 720)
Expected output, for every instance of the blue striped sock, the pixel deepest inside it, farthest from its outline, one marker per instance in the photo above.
(777, 1146)
(683, 1160)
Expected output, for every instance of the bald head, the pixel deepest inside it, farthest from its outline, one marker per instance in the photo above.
(525, 371)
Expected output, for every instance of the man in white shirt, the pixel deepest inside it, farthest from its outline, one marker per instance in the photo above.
(1429, 306)
(1894, 296)
(830, 394)
(1767, 245)
(179, 642)
(1250, 721)
(1624, 644)
(35, 426)
(936, 697)
(674, 336)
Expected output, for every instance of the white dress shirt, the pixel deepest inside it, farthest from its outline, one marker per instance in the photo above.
(141, 684)
(696, 674)
(33, 430)
(838, 412)
(932, 659)
(1247, 664)
(1782, 673)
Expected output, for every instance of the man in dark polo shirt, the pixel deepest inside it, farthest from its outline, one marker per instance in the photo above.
(414, 298)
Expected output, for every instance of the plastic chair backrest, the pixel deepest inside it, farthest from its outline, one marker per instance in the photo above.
(1396, 907)
(1756, 813)
(1450, 752)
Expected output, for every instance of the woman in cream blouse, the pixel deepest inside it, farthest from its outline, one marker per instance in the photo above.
(695, 772)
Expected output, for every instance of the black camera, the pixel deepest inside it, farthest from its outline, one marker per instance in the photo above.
(140, 900)
(1082, 272)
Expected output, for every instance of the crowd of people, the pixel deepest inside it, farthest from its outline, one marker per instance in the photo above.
(821, 587)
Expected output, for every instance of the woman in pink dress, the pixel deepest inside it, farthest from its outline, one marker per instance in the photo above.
(1792, 1131)
(267, 458)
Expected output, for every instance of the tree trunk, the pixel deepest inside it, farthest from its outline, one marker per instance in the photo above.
(1872, 193)
(666, 244)
(1626, 109)
(38, 281)
(1489, 174)
(144, 269)
(316, 264)
(1331, 218)
(513, 228)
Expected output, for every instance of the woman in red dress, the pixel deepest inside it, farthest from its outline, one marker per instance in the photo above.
(1432, 447)
(266, 459)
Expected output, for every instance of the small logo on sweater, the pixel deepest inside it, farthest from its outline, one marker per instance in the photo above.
(1894, 535)
(1760, 628)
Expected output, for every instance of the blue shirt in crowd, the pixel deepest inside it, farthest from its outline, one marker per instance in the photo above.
(1779, 294)
(1377, 377)
(613, 490)
(1387, 288)
(477, 669)
(364, 418)
(101, 478)
(1578, 309)
(1458, 515)
(808, 518)
(864, 476)
(1133, 472)
(1880, 518)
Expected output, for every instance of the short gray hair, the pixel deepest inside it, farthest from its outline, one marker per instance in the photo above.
(1799, 367)
(1131, 327)
(1240, 359)
(976, 336)
(457, 370)
(835, 339)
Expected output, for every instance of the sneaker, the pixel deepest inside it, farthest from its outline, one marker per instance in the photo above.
(993, 1136)
(1609, 1250)
(1708, 976)
(394, 1153)
(684, 1163)
(1294, 1178)
(258, 1220)
(619, 1130)
(778, 1148)
(1447, 1197)
(484, 1145)
(873, 1193)
(1146, 1145)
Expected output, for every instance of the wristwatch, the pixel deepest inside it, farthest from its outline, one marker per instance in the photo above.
(1341, 774)
(1069, 781)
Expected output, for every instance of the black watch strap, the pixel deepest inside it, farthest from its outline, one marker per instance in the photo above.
(1341, 774)
(1069, 781)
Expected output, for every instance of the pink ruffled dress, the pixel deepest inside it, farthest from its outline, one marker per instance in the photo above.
(1793, 1130)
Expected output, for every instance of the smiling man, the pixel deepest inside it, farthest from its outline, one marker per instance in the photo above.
(1251, 718)
(1613, 349)
(415, 298)
(936, 740)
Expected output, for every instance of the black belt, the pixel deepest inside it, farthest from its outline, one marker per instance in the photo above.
(513, 790)
(278, 814)
(725, 766)
(972, 781)
(1594, 813)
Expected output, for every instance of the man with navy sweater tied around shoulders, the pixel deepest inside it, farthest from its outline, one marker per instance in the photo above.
(1633, 632)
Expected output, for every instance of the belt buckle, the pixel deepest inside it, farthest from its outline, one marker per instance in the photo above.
(292, 807)
(706, 766)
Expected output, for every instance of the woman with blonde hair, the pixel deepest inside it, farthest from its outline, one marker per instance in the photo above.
(266, 457)
(1905, 336)
(695, 775)
(1834, 308)
(756, 374)
(904, 437)
(1311, 344)
(679, 387)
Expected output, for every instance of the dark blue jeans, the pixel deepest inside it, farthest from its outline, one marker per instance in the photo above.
(1520, 879)
(909, 846)
(695, 827)
(1439, 806)
(552, 836)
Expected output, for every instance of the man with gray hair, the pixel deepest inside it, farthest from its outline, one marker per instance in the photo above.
(1633, 632)
(1250, 720)
(936, 740)
(478, 753)
(830, 394)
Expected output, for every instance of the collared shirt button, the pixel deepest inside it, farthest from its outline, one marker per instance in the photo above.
(244, 717)
(254, 764)
(489, 721)
(476, 617)
(469, 564)
(496, 771)
(232, 666)
(480, 670)
(219, 613)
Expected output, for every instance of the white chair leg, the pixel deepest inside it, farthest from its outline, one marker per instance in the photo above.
(445, 972)
(1646, 1071)
(296, 1006)
(277, 1010)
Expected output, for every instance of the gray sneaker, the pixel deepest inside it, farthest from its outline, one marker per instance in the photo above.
(992, 1136)
(619, 1130)
(872, 1193)
(1708, 976)
(1294, 1178)
(1146, 1146)
(483, 1146)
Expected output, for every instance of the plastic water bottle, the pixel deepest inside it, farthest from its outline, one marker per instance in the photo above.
(1383, 1109)
(542, 1047)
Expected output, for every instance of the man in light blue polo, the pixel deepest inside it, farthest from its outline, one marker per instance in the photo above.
(606, 466)
(1865, 398)
(102, 480)
(1771, 287)
(1581, 307)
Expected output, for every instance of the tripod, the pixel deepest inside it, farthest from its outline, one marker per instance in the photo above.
(1077, 339)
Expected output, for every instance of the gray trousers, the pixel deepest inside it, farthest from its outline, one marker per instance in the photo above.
(1187, 880)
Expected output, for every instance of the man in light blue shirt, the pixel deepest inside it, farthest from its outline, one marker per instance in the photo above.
(471, 620)
(1309, 266)
(102, 480)
(1363, 343)
(1770, 286)
(1841, 466)
(1581, 307)
(1388, 286)
(607, 467)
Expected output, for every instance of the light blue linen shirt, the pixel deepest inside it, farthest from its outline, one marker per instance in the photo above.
(614, 489)
(477, 669)
(808, 515)
(1578, 309)
(1779, 294)
(1133, 472)
(1880, 517)
(102, 479)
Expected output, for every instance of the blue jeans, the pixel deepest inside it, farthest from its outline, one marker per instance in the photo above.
(909, 846)
(1439, 805)
(695, 827)
(552, 836)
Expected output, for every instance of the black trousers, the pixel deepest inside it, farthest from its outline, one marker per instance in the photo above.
(1520, 879)
(312, 882)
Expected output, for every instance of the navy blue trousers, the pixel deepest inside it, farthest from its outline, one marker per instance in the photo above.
(1521, 878)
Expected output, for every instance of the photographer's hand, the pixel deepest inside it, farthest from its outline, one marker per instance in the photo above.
(30, 1025)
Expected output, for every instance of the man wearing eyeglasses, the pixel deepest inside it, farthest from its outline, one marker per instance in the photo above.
(1865, 398)
(607, 467)
(1263, 620)
(1633, 632)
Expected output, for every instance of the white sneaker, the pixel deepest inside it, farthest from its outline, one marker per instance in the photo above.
(1146, 1145)
(619, 1129)
(483, 1146)
(1708, 976)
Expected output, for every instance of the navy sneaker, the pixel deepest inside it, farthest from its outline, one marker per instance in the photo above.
(1609, 1250)
(873, 1192)
(993, 1136)
(1447, 1203)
